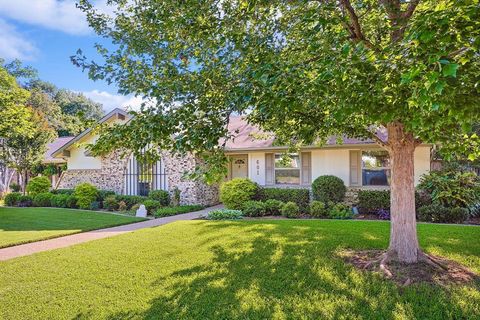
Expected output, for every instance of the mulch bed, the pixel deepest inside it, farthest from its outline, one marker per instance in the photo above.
(451, 272)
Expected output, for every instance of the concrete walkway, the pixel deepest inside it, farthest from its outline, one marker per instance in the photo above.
(66, 241)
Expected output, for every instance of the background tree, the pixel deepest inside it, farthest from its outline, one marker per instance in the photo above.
(23, 152)
(68, 112)
(303, 70)
(13, 120)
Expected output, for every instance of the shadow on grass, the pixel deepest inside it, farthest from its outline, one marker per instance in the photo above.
(288, 272)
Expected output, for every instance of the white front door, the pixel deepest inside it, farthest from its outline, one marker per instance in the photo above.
(239, 166)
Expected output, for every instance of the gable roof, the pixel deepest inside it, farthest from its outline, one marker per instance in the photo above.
(114, 112)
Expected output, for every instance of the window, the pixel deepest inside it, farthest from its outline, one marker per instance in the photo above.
(375, 168)
(287, 169)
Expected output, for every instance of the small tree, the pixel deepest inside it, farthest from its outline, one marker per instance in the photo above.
(303, 70)
(22, 152)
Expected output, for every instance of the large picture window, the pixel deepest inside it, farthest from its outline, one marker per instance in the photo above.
(287, 169)
(376, 168)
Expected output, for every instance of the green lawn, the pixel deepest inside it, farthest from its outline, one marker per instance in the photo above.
(22, 225)
(282, 269)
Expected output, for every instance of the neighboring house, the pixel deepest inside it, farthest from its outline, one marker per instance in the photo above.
(252, 154)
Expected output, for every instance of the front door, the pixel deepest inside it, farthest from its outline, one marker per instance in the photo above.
(239, 166)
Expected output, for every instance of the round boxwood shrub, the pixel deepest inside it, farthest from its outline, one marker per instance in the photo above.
(85, 194)
(254, 209)
(151, 205)
(318, 209)
(328, 188)
(43, 199)
(11, 199)
(38, 185)
(290, 210)
(161, 196)
(60, 200)
(236, 192)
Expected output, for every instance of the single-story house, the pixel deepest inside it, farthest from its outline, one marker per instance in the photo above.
(359, 163)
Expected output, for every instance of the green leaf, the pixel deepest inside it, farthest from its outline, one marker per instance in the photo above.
(450, 70)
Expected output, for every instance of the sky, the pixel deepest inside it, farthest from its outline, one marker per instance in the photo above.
(44, 34)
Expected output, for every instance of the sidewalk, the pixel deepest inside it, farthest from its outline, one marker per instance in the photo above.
(66, 241)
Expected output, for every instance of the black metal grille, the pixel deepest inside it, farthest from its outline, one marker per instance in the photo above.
(140, 177)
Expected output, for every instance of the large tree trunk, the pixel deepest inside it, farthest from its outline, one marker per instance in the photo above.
(403, 232)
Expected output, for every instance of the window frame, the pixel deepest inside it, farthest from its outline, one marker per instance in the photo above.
(362, 168)
(299, 168)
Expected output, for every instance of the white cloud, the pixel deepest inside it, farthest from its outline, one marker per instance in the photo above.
(61, 15)
(112, 101)
(14, 45)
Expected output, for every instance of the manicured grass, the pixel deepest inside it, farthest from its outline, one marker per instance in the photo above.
(281, 269)
(22, 225)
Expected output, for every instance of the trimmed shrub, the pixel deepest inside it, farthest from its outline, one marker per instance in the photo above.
(290, 210)
(72, 202)
(431, 213)
(236, 192)
(151, 205)
(371, 201)
(122, 206)
(328, 188)
(103, 194)
(43, 199)
(110, 203)
(60, 200)
(130, 200)
(273, 207)
(85, 194)
(225, 214)
(340, 211)
(38, 185)
(161, 196)
(63, 191)
(95, 205)
(11, 199)
(15, 187)
(457, 215)
(254, 209)
(25, 201)
(300, 196)
(318, 209)
(171, 211)
(439, 214)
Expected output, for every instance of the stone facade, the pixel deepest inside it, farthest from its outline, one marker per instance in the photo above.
(191, 192)
(111, 177)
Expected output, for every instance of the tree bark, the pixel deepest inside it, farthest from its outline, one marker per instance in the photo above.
(404, 245)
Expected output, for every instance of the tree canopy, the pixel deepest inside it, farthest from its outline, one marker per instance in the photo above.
(67, 112)
(301, 69)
